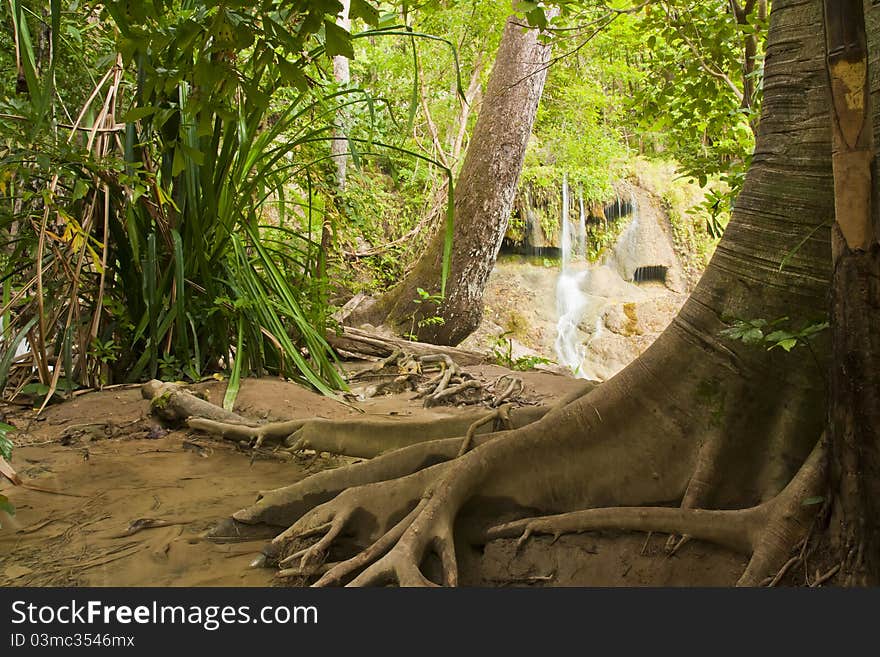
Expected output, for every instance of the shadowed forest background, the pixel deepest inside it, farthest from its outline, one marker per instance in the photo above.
(542, 293)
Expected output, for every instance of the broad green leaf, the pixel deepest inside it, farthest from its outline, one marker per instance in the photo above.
(788, 344)
(779, 336)
(537, 18)
(753, 336)
(337, 40)
(80, 188)
(138, 113)
(364, 10)
(292, 74)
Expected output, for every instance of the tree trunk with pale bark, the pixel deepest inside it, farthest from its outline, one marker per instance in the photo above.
(483, 201)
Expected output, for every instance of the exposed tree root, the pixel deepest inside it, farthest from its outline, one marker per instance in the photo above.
(402, 370)
(697, 418)
(362, 513)
(767, 532)
(272, 432)
(360, 438)
(377, 367)
(174, 403)
(372, 345)
(500, 419)
(281, 507)
(402, 505)
(366, 438)
(513, 386)
(377, 549)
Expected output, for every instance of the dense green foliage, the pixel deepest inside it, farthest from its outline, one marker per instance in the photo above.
(148, 212)
(676, 79)
(168, 204)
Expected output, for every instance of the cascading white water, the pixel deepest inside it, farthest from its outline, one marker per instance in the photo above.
(583, 294)
(570, 299)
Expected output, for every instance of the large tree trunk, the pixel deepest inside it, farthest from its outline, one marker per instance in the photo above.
(698, 420)
(854, 413)
(483, 200)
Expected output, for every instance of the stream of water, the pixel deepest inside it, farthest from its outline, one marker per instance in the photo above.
(570, 298)
(584, 290)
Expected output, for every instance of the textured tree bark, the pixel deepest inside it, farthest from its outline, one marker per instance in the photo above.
(483, 200)
(854, 402)
(697, 418)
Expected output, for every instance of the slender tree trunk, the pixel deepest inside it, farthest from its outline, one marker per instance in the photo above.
(338, 145)
(854, 404)
(342, 75)
(741, 14)
(483, 200)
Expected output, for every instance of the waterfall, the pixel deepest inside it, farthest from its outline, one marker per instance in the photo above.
(570, 299)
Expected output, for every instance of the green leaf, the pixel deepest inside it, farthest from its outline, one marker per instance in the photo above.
(813, 329)
(779, 336)
(235, 376)
(80, 188)
(364, 10)
(812, 501)
(753, 336)
(293, 75)
(137, 113)
(36, 389)
(178, 164)
(337, 40)
(5, 447)
(537, 18)
(194, 154)
(6, 505)
(525, 6)
(788, 345)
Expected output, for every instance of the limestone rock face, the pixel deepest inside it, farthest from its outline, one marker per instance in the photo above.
(624, 300)
(644, 251)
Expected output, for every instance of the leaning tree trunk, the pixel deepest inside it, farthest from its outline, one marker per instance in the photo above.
(483, 200)
(726, 430)
(854, 412)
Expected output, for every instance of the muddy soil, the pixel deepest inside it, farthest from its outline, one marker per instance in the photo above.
(130, 500)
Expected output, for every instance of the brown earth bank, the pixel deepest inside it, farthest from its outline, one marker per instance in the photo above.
(111, 498)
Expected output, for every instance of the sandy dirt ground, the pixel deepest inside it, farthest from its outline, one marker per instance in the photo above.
(130, 500)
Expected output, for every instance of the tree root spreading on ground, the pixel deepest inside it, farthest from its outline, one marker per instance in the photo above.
(767, 532)
(402, 371)
(403, 504)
